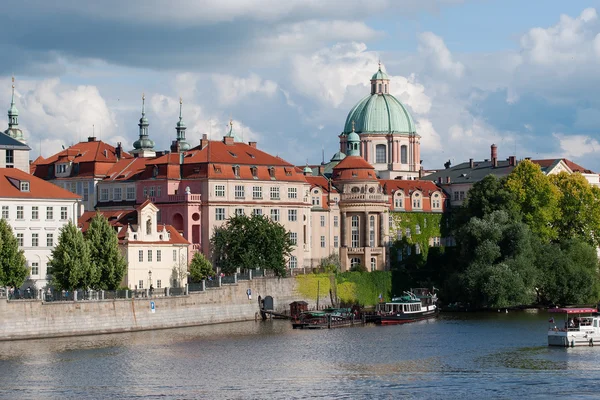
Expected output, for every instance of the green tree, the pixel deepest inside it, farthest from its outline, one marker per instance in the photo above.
(13, 265)
(105, 257)
(251, 242)
(200, 268)
(536, 198)
(70, 261)
(488, 195)
(579, 205)
(331, 263)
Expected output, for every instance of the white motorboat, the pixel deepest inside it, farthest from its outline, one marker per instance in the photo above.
(570, 327)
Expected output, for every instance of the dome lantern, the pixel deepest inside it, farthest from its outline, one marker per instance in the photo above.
(380, 82)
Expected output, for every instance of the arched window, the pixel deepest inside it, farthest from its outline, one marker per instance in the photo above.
(354, 262)
(372, 231)
(355, 237)
(385, 89)
(417, 248)
(149, 227)
(380, 154)
(403, 154)
(379, 88)
(418, 229)
(416, 201)
(373, 264)
(373, 88)
(399, 199)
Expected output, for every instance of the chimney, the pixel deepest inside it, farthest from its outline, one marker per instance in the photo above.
(494, 155)
(204, 141)
(227, 139)
(252, 144)
(471, 163)
(512, 161)
(175, 146)
(421, 172)
(118, 150)
(447, 164)
(447, 179)
(91, 138)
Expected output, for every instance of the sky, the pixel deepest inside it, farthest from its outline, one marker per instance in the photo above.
(521, 74)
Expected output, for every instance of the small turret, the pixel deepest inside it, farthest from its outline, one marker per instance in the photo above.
(182, 145)
(144, 146)
(353, 143)
(13, 118)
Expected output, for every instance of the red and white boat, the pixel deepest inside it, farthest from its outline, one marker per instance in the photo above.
(570, 327)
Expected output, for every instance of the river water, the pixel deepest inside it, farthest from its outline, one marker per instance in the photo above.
(483, 355)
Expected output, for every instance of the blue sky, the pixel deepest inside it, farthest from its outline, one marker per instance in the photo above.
(521, 74)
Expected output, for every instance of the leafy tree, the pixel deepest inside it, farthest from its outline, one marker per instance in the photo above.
(569, 272)
(358, 268)
(536, 198)
(331, 263)
(488, 195)
(70, 261)
(200, 268)
(251, 242)
(13, 265)
(579, 205)
(105, 257)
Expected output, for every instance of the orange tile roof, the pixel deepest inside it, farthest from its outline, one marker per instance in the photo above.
(392, 185)
(127, 169)
(10, 179)
(320, 181)
(354, 168)
(546, 163)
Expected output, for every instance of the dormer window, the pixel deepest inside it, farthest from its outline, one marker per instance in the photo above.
(61, 168)
(272, 172)
(217, 169)
(24, 186)
(155, 171)
(232, 154)
(254, 171)
(288, 171)
(236, 171)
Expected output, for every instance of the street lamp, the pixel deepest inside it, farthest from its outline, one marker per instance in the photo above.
(149, 278)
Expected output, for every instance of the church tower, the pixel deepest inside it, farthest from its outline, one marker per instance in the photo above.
(13, 119)
(144, 146)
(180, 144)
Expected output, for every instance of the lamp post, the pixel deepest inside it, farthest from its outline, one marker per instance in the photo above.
(149, 278)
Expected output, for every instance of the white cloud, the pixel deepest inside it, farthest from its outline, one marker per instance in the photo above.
(430, 139)
(575, 146)
(434, 49)
(231, 89)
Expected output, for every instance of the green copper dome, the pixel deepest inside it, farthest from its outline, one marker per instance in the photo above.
(379, 113)
(380, 75)
(143, 143)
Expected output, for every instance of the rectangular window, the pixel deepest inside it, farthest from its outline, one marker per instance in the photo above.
(35, 268)
(63, 213)
(219, 214)
(355, 236)
(257, 192)
(323, 241)
(336, 242)
(86, 194)
(20, 239)
(293, 262)
(35, 212)
(293, 238)
(131, 193)
(292, 215)
(174, 255)
(49, 239)
(322, 220)
(149, 255)
(35, 239)
(10, 156)
(158, 191)
(5, 214)
(220, 190)
(372, 231)
(239, 191)
(335, 221)
(117, 194)
(104, 194)
(158, 284)
(275, 214)
(140, 284)
(49, 213)
(158, 256)
(316, 201)
(145, 192)
(20, 212)
(24, 186)
(141, 255)
(152, 191)
(275, 193)
(257, 211)
(239, 211)
(455, 196)
(292, 193)
(462, 195)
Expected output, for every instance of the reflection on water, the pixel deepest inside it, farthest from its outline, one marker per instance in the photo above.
(457, 355)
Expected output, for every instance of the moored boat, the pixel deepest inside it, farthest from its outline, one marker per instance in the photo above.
(414, 305)
(577, 327)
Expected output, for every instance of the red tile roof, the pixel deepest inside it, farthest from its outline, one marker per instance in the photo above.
(10, 186)
(354, 168)
(546, 163)
(392, 185)
(127, 169)
(320, 181)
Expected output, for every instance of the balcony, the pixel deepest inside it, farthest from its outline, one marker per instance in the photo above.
(182, 198)
(377, 197)
(356, 250)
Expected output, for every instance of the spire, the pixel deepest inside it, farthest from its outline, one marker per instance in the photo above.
(13, 113)
(182, 145)
(144, 146)
(353, 142)
(231, 133)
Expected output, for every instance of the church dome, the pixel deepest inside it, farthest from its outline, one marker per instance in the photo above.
(379, 113)
(143, 143)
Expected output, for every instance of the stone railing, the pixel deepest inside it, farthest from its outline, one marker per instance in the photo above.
(365, 197)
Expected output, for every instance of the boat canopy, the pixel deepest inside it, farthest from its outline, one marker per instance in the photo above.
(581, 310)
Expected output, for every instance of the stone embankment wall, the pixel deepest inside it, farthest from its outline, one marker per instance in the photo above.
(34, 319)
